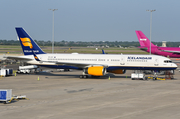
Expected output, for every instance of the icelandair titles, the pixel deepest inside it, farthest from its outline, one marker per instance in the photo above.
(135, 58)
(138, 59)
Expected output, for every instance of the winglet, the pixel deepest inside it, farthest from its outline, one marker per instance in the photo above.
(103, 52)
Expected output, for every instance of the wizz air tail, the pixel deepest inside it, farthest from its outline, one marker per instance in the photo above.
(143, 40)
(28, 45)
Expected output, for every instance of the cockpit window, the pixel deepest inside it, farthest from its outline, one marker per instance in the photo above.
(167, 61)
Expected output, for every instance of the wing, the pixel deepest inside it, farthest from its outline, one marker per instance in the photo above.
(143, 48)
(172, 51)
(18, 58)
(79, 65)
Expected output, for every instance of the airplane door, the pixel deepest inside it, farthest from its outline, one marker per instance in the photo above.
(157, 50)
(122, 61)
(156, 63)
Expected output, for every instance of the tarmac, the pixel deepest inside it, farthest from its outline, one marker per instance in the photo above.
(63, 95)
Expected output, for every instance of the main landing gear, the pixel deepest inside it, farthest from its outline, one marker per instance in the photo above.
(155, 76)
(83, 76)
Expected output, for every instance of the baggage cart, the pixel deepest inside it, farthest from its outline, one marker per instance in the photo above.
(6, 95)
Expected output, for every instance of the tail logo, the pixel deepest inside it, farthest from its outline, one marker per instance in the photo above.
(143, 39)
(26, 42)
(36, 57)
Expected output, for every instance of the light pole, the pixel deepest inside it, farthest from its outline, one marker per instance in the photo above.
(150, 27)
(53, 30)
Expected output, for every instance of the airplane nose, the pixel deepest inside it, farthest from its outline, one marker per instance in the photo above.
(174, 65)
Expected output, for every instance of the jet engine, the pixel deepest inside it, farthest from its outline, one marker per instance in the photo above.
(95, 70)
(118, 71)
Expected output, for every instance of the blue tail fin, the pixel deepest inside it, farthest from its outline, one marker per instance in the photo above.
(27, 43)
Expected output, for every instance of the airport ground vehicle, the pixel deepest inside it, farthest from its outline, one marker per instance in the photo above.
(5, 95)
(28, 69)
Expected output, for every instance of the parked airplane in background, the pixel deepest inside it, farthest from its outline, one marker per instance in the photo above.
(91, 64)
(173, 52)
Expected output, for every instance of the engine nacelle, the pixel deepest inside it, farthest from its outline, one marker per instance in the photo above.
(118, 71)
(95, 70)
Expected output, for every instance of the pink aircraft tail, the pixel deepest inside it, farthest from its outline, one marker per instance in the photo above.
(143, 40)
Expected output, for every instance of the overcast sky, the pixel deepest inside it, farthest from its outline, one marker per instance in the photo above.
(90, 20)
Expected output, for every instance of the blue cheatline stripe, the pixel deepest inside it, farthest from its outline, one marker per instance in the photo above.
(60, 67)
(110, 68)
(141, 68)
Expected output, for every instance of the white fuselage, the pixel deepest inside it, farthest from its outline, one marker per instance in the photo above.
(108, 60)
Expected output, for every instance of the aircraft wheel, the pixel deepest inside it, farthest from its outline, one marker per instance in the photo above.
(6, 102)
(81, 76)
(85, 76)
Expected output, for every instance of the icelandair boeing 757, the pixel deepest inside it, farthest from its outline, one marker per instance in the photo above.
(91, 64)
(173, 52)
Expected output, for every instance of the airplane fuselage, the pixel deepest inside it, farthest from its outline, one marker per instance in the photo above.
(91, 64)
(111, 62)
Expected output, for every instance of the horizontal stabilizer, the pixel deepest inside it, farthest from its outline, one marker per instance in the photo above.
(143, 48)
(18, 58)
(171, 51)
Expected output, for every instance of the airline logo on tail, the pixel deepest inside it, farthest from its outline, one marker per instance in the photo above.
(26, 42)
(143, 39)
